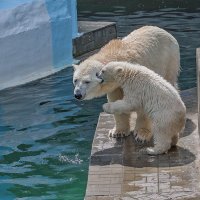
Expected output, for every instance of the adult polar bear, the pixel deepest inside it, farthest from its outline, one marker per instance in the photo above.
(149, 46)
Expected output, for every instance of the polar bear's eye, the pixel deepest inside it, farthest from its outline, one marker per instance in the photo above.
(75, 81)
(87, 82)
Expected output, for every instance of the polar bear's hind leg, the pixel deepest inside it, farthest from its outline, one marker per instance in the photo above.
(175, 140)
(162, 141)
(142, 130)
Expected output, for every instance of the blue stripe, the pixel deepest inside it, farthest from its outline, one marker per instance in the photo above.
(61, 27)
(73, 13)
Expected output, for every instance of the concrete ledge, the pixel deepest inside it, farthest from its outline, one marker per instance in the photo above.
(118, 171)
(93, 35)
(198, 82)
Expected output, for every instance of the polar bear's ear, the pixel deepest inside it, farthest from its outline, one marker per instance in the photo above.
(75, 66)
(119, 69)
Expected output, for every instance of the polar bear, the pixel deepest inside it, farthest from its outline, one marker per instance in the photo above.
(146, 91)
(150, 46)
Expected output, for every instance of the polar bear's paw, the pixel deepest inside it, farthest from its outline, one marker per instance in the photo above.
(152, 151)
(107, 108)
(115, 133)
(142, 135)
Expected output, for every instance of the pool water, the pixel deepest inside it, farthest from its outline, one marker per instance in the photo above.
(45, 140)
(180, 18)
(46, 135)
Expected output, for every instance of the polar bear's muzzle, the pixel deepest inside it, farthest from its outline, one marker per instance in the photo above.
(78, 95)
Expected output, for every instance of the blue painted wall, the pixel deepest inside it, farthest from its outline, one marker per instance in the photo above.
(61, 27)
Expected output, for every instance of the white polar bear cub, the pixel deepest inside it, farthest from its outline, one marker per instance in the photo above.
(147, 91)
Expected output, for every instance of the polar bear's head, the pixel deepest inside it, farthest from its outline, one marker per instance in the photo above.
(87, 85)
(110, 72)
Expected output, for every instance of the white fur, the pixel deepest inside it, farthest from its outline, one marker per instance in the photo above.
(149, 46)
(146, 91)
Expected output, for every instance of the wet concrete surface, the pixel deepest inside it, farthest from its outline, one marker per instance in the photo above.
(119, 171)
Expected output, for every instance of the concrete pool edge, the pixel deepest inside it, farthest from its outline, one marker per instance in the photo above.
(198, 82)
(93, 35)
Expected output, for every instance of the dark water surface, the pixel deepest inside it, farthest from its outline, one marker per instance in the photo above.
(46, 135)
(180, 17)
(45, 140)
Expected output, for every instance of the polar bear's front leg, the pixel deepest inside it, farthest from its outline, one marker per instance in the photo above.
(118, 107)
(122, 126)
(122, 121)
(142, 130)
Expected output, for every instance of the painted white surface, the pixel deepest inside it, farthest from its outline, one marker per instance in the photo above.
(34, 40)
(7, 4)
(23, 18)
(27, 50)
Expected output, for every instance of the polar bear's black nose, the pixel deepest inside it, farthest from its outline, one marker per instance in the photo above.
(78, 96)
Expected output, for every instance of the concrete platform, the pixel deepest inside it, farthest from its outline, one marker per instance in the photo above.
(93, 35)
(198, 81)
(119, 171)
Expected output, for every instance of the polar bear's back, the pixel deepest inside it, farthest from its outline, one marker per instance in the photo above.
(156, 49)
(149, 46)
(149, 88)
(148, 33)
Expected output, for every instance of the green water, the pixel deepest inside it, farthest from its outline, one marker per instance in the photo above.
(45, 140)
(46, 135)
